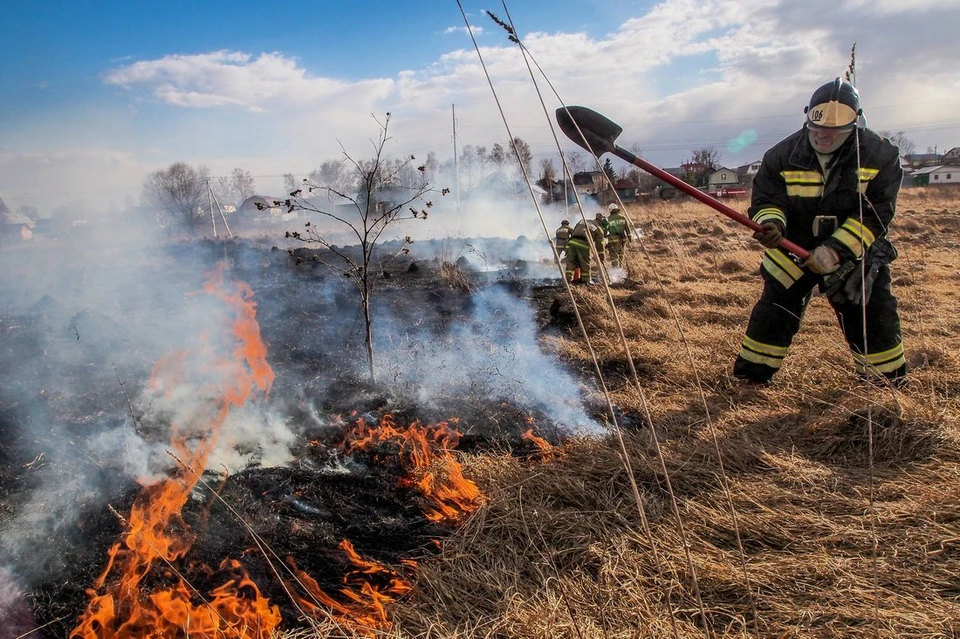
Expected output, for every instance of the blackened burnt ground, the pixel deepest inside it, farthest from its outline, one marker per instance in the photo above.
(63, 387)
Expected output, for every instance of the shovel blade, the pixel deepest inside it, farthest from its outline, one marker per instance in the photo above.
(588, 129)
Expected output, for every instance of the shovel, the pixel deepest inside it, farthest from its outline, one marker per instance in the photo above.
(595, 133)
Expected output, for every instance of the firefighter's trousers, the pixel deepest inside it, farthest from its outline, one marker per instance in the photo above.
(776, 319)
(578, 257)
(617, 249)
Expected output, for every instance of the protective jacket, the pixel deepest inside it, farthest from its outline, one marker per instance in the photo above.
(578, 249)
(790, 189)
(563, 236)
(816, 205)
(617, 228)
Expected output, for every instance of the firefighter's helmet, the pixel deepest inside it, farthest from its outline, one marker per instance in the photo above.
(835, 105)
(565, 223)
(613, 207)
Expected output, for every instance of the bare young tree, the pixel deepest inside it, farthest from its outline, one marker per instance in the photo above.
(242, 186)
(387, 191)
(289, 183)
(521, 154)
(468, 157)
(906, 145)
(548, 175)
(575, 160)
(707, 156)
(482, 159)
(333, 175)
(178, 194)
(433, 167)
(498, 156)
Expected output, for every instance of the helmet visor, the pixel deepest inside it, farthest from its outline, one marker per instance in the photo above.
(832, 115)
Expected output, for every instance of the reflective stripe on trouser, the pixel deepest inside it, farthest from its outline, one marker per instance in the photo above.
(776, 319)
(617, 249)
(884, 351)
(578, 256)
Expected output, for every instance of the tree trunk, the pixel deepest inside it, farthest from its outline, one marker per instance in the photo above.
(368, 324)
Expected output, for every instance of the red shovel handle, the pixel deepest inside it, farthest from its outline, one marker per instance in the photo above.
(694, 192)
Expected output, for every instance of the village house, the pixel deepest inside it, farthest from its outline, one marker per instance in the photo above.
(721, 178)
(952, 157)
(588, 182)
(936, 175)
(925, 160)
(14, 227)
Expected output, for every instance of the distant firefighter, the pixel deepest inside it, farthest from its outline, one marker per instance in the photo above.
(618, 236)
(578, 251)
(563, 236)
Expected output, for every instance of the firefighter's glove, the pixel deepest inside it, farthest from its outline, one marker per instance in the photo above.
(771, 234)
(823, 260)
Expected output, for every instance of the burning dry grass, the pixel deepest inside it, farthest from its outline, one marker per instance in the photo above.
(844, 496)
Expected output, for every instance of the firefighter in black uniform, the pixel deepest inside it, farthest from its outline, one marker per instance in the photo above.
(831, 188)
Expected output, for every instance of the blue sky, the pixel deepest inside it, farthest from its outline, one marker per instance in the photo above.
(96, 95)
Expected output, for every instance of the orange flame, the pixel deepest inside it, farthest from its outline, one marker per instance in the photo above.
(118, 607)
(367, 588)
(424, 452)
(546, 448)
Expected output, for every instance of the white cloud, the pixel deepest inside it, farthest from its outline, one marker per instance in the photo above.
(474, 29)
(684, 74)
(269, 82)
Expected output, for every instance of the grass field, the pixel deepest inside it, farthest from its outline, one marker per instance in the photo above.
(820, 506)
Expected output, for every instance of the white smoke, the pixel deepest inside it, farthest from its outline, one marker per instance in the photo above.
(494, 353)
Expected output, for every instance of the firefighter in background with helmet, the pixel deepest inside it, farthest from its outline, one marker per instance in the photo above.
(618, 235)
(831, 188)
(563, 236)
(578, 264)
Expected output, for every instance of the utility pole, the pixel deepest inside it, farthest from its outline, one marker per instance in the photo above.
(212, 198)
(213, 220)
(456, 160)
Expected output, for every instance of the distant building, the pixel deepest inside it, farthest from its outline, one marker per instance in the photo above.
(260, 209)
(952, 157)
(921, 160)
(936, 175)
(14, 227)
(589, 182)
(722, 177)
(626, 190)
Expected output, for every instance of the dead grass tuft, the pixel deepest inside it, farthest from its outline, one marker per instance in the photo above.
(560, 549)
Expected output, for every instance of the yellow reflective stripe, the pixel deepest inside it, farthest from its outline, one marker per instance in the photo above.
(766, 354)
(777, 273)
(765, 215)
(576, 241)
(750, 356)
(765, 349)
(800, 190)
(865, 176)
(855, 236)
(801, 177)
(783, 262)
(803, 183)
(885, 362)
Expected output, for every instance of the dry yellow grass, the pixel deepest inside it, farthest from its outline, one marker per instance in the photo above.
(837, 542)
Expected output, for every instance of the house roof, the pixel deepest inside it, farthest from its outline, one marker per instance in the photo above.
(922, 157)
(933, 169)
(585, 177)
(258, 201)
(10, 217)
